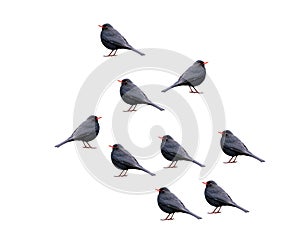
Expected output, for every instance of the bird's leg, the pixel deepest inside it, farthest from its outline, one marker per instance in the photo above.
(195, 90)
(84, 145)
(133, 110)
(219, 210)
(171, 217)
(168, 218)
(214, 211)
(90, 146)
(109, 55)
(120, 175)
(175, 164)
(114, 53)
(170, 166)
(125, 174)
(163, 219)
(234, 161)
(129, 109)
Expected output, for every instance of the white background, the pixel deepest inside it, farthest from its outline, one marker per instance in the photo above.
(47, 51)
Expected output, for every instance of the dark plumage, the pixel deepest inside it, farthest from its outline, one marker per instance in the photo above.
(170, 204)
(192, 77)
(234, 147)
(133, 95)
(123, 160)
(217, 197)
(86, 132)
(113, 40)
(174, 152)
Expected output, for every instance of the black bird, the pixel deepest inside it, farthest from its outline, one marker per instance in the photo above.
(217, 197)
(170, 204)
(133, 95)
(192, 77)
(174, 152)
(234, 147)
(86, 132)
(123, 160)
(113, 40)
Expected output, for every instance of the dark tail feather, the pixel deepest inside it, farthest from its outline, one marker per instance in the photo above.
(158, 107)
(145, 170)
(142, 54)
(66, 141)
(193, 214)
(252, 155)
(168, 88)
(201, 165)
(243, 209)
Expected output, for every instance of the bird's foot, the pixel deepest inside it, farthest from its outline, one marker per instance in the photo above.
(166, 219)
(214, 212)
(230, 162)
(125, 175)
(110, 55)
(129, 110)
(196, 92)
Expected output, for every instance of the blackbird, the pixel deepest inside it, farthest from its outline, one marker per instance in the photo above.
(123, 160)
(192, 77)
(217, 197)
(113, 40)
(170, 204)
(133, 95)
(174, 152)
(234, 147)
(86, 132)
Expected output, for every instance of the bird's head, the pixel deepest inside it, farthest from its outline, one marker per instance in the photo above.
(201, 63)
(115, 146)
(226, 133)
(125, 81)
(162, 190)
(105, 26)
(93, 117)
(210, 183)
(165, 138)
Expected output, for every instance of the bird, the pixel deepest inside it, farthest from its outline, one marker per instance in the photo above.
(174, 152)
(234, 147)
(86, 132)
(218, 198)
(113, 40)
(169, 203)
(123, 160)
(192, 77)
(133, 95)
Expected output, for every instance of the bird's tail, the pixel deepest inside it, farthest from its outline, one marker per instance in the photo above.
(243, 209)
(145, 170)
(137, 51)
(193, 214)
(252, 155)
(66, 141)
(154, 105)
(168, 88)
(201, 165)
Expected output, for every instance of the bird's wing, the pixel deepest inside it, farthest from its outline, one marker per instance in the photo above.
(176, 150)
(83, 130)
(236, 145)
(115, 38)
(127, 159)
(218, 194)
(172, 201)
(137, 95)
(193, 72)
